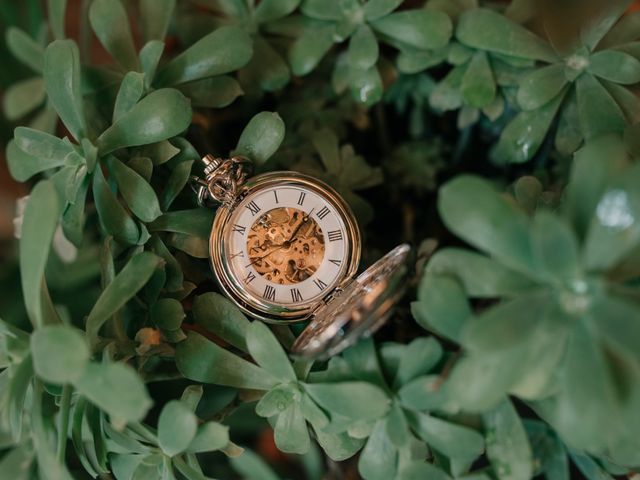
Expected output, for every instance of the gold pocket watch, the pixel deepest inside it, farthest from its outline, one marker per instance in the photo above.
(285, 248)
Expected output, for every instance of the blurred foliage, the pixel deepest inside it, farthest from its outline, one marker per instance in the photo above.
(119, 360)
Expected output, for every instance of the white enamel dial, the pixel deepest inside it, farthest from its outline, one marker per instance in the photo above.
(287, 245)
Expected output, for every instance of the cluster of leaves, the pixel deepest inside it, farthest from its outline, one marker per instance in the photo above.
(546, 314)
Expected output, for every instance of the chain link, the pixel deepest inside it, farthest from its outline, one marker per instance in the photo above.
(224, 177)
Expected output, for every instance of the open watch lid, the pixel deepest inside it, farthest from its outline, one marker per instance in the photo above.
(362, 307)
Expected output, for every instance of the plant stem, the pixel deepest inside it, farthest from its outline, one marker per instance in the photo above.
(65, 409)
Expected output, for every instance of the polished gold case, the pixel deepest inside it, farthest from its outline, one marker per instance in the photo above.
(249, 303)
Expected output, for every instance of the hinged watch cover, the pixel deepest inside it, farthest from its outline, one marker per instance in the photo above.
(359, 310)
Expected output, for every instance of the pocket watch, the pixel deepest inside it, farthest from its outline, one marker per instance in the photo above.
(285, 248)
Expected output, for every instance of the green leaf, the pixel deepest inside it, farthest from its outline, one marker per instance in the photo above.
(309, 48)
(167, 313)
(131, 90)
(202, 360)
(17, 388)
(555, 247)
(442, 306)
(116, 389)
(124, 286)
(598, 25)
(589, 467)
(195, 222)
(57, 10)
(472, 209)
(266, 70)
(222, 51)
(322, 9)
(150, 56)
(422, 29)
(485, 29)
(177, 426)
(261, 137)
(599, 113)
(618, 67)
(62, 83)
(156, 17)
(354, 400)
(138, 194)
(379, 457)
(219, 315)
(159, 116)
(508, 447)
(397, 426)
(505, 324)
(23, 97)
(478, 84)
(522, 138)
(418, 358)
(363, 49)
(209, 437)
(60, 353)
(25, 49)
(421, 470)
(269, 10)
(290, 432)
(113, 217)
(214, 92)
(541, 86)
(480, 276)
(175, 184)
(40, 221)
(277, 400)
(624, 32)
(110, 22)
(423, 393)
(366, 85)
(375, 9)
(253, 467)
(268, 353)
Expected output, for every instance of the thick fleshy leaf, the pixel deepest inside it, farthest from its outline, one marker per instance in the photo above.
(150, 56)
(422, 29)
(375, 9)
(555, 247)
(508, 447)
(60, 353)
(454, 441)
(222, 51)
(354, 400)
(195, 222)
(267, 69)
(472, 209)
(442, 306)
(478, 84)
(522, 138)
(549, 453)
(23, 97)
(309, 48)
(219, 315)
(379, 457)
(424, 393)
(363, 49)
(111, 24)
(57, 10)
(480, 276)
(167, 313)
(595, 30)
(485, 29)
(131, 90)
(277, 400)
(113, 217)
(25, 49)
(322, 9)
(591, 469)
(599, 113)
(124, 286)
(366, 85)
(418, 358)
(215, 92)
(62, 83)
(138, 194)
(422, 470)
(40, 221)
(177, 426)
(116, 389)
(615, 319)
(23, 166)
(261, 137)
(253, 467)
(268, 353)
(627, 30)
(202, 360)
(397, 427)
(615, 66)
(269, 10)
(541, 86)
(160, 115)
(290, 432)
(569, 136)
(210, 436)
(156, 17)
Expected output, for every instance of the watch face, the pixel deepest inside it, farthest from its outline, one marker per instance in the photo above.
(287, 244)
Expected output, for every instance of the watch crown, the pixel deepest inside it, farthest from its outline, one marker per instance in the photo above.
(210, 164)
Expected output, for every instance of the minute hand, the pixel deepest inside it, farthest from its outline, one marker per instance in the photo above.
(297, 230)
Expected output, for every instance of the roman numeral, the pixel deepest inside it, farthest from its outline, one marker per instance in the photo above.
(301, 198)
(275, 194)
(296, 296)
(335, 235)
(253, 207)
(269, 293)
(337, 263)
(250, 278)
(324, 211)
(239, 254)
(240, 229)
(320, 284)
